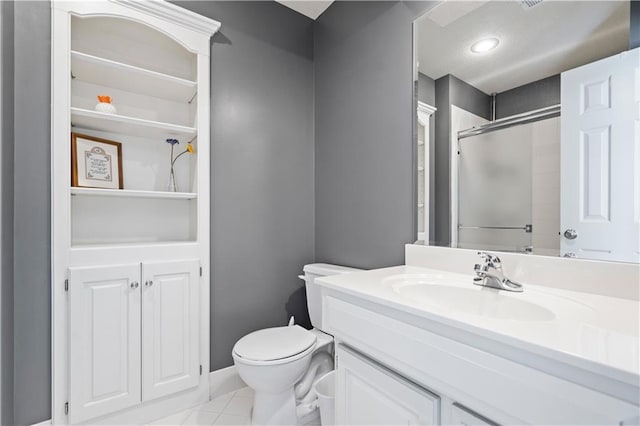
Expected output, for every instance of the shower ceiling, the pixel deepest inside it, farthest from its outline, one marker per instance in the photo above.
(536, 42)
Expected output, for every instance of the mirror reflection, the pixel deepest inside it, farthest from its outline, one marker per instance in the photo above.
(528, 134)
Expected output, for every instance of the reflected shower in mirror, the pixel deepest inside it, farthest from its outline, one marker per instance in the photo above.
(528, 138)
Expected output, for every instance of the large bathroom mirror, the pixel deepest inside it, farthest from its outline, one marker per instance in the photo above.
(528, 133)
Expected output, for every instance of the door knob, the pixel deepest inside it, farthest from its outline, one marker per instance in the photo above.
(134, 284)
(571, 234)
(148, 283)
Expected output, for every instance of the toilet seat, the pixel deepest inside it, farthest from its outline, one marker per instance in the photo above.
(276, 345)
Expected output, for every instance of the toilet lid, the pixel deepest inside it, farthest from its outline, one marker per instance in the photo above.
(274, 343)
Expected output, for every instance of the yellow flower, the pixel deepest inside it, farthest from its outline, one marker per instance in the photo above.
(190, 148)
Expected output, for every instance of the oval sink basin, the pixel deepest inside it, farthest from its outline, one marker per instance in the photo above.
(445, 293)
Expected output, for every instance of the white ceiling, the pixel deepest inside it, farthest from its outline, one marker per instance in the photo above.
(549, 38)
(310, 8)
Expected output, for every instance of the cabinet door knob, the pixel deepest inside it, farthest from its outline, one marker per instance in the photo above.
(570, 234)
(134, 284)
(148, 283)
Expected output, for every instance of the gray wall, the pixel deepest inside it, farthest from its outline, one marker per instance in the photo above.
(529, 97)
(31, 225)
(6, 212)
(365, 200)
(262, 162)
(634, 30)
(426, 89)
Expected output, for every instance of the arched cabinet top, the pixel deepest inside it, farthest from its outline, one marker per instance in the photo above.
(191, 30)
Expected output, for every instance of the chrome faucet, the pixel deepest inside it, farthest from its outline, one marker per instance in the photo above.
(490, 274)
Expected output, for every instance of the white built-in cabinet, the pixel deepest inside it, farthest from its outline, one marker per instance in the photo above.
(130, 265)
(133, 327)
(424, 144)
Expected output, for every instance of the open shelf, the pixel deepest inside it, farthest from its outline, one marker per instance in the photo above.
(117, 75)
(88, 119)
(128, 193)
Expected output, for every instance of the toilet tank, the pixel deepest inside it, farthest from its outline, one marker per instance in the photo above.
(314, 298)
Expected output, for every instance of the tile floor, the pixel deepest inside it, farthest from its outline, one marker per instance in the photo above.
(233, 408)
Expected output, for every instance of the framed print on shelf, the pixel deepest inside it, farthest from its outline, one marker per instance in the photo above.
(95, 162)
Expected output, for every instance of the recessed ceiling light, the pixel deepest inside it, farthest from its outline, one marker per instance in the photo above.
(484, 45)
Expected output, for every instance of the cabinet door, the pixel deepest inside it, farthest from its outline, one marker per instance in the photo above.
(369, 394)
(462, 416)
(104, 340)
(170, 327)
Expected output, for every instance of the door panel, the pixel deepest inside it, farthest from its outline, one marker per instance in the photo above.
(104, 340)
(170, 327)
(600, 160)
(368, 394)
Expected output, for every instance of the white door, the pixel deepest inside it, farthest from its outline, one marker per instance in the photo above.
(600, 159)
(104, 340)
(368, 394)
(170, 327)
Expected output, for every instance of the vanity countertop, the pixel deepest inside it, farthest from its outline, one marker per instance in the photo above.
(589, 331)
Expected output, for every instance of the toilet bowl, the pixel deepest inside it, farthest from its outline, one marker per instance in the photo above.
(281, 363)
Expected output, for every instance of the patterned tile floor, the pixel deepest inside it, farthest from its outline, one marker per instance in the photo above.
(233, 408)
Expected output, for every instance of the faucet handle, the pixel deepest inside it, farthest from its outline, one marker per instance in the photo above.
(490, 258)
(480, 270)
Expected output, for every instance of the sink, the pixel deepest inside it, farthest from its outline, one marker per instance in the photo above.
(458, 295)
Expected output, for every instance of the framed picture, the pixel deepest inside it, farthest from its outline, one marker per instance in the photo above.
(95, 162)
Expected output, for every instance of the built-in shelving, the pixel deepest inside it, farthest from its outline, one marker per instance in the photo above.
(117, 75)
(128, 193)
(114, 123)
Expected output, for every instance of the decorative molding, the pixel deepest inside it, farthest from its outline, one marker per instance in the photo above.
(176, 14)
(426, 109)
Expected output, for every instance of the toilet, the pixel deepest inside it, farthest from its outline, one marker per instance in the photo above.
(281, 363)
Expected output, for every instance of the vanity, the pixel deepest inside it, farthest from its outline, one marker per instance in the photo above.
(420, 344)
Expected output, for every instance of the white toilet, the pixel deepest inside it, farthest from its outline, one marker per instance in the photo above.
(281, 363)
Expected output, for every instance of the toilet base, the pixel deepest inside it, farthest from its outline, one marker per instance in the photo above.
(274, 408)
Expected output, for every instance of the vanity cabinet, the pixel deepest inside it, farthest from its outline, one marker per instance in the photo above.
(396, 354)
(369, 394)
(134, 334)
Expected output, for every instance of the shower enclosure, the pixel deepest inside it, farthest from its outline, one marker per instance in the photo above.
(509, 185)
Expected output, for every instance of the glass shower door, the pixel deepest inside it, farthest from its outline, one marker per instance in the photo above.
(494, 190)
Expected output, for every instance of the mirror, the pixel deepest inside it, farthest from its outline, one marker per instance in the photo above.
(527, 128)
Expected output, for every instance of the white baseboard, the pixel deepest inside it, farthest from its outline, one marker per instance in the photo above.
(224, 380)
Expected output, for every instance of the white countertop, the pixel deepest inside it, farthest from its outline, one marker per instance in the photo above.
(590, 331)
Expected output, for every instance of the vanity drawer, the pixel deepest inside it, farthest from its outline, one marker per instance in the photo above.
(501, 389)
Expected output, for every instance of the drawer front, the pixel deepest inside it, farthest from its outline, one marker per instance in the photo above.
(465, 373)
(369, 394)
